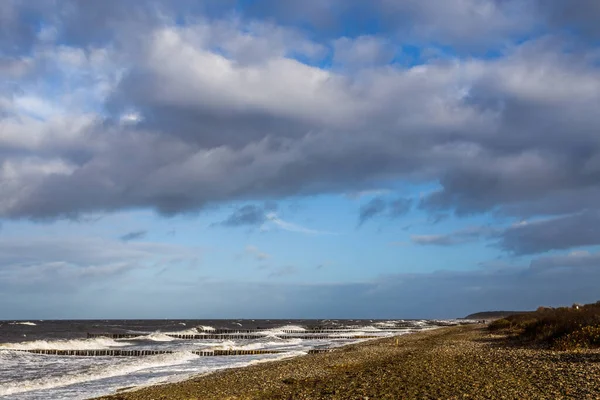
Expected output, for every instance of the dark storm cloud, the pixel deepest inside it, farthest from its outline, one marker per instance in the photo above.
(580, 16)
(539, 236)
(560, 233)
(515, 134)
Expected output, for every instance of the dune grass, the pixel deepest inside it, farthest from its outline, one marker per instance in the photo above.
(563, 328)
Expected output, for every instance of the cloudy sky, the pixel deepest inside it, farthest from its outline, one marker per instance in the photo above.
(301, 158)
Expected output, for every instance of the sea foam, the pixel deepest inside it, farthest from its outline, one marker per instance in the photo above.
(75, 344)
(94, 373)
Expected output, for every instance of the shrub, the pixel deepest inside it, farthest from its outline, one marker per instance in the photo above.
(586, 337)
(499, 324)
(563, 328)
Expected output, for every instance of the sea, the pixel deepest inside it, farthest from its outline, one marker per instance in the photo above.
(27, 376)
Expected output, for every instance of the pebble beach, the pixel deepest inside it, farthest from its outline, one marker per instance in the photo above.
(447, 363)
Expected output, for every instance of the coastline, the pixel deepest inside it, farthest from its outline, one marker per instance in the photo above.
(463, 361)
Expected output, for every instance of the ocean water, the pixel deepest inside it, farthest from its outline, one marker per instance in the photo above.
(31, 376)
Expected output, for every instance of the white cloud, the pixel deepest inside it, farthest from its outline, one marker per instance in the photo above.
(288, 226)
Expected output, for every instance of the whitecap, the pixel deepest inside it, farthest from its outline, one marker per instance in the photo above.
(95, 373)
(155, 337)
(74, 344)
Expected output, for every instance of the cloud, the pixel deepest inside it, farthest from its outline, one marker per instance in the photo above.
(575, 259)
(437, 240)
(371, 209)
(379, 205)
(443, 294)
(254, 252)
(133, 235)
(524, 238)
(249, 214)
(437, 218)
(565, 232)
(399, 207)
(52, 263)
(513, 134)
(362, 51)
(355, 195)
(580, 17)
(288, 226)
(466, 235)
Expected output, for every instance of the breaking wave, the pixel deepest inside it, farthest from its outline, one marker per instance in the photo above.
(95, 373)
(75, 344)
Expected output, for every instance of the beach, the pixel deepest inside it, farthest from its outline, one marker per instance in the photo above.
(454, 362)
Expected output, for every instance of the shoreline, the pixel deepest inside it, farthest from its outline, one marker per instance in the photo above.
(283, 357)
(464, 361)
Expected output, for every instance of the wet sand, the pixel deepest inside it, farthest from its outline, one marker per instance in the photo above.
(448, 363)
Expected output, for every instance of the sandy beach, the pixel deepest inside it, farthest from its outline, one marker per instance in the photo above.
(448, 363)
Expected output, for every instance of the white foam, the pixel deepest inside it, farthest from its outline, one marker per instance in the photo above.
(281, 330)
(155, 337)
(105, 371)
(191, 331)
(386, 324)
(75, 344)
(226, 345)
(23, 323)
(204, 328)
(292, 328)
(257, 344)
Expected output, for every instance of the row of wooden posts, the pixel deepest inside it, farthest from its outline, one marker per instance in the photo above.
(223, 336)
(137, 353)
(306, 331)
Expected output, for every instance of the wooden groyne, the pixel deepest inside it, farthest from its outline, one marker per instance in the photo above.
(226, 336)
(305, 331)
(140, 353)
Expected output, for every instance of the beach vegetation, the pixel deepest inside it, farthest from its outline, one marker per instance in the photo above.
(562, 328)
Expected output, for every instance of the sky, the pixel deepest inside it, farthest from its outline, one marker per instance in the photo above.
(298, 159)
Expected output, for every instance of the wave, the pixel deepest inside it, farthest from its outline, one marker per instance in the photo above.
(191, 331)
(258, 344)
(386, 324)
(292, 328)
(155, 337)
(75, 344)
(280, 330)
(23, 323)
(201, 328)
(95, 373)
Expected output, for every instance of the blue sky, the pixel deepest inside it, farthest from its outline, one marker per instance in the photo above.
(358, 159)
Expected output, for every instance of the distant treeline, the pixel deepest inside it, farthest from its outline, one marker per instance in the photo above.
(493, 314)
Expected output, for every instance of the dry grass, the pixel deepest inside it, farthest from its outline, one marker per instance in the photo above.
(564, 328)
